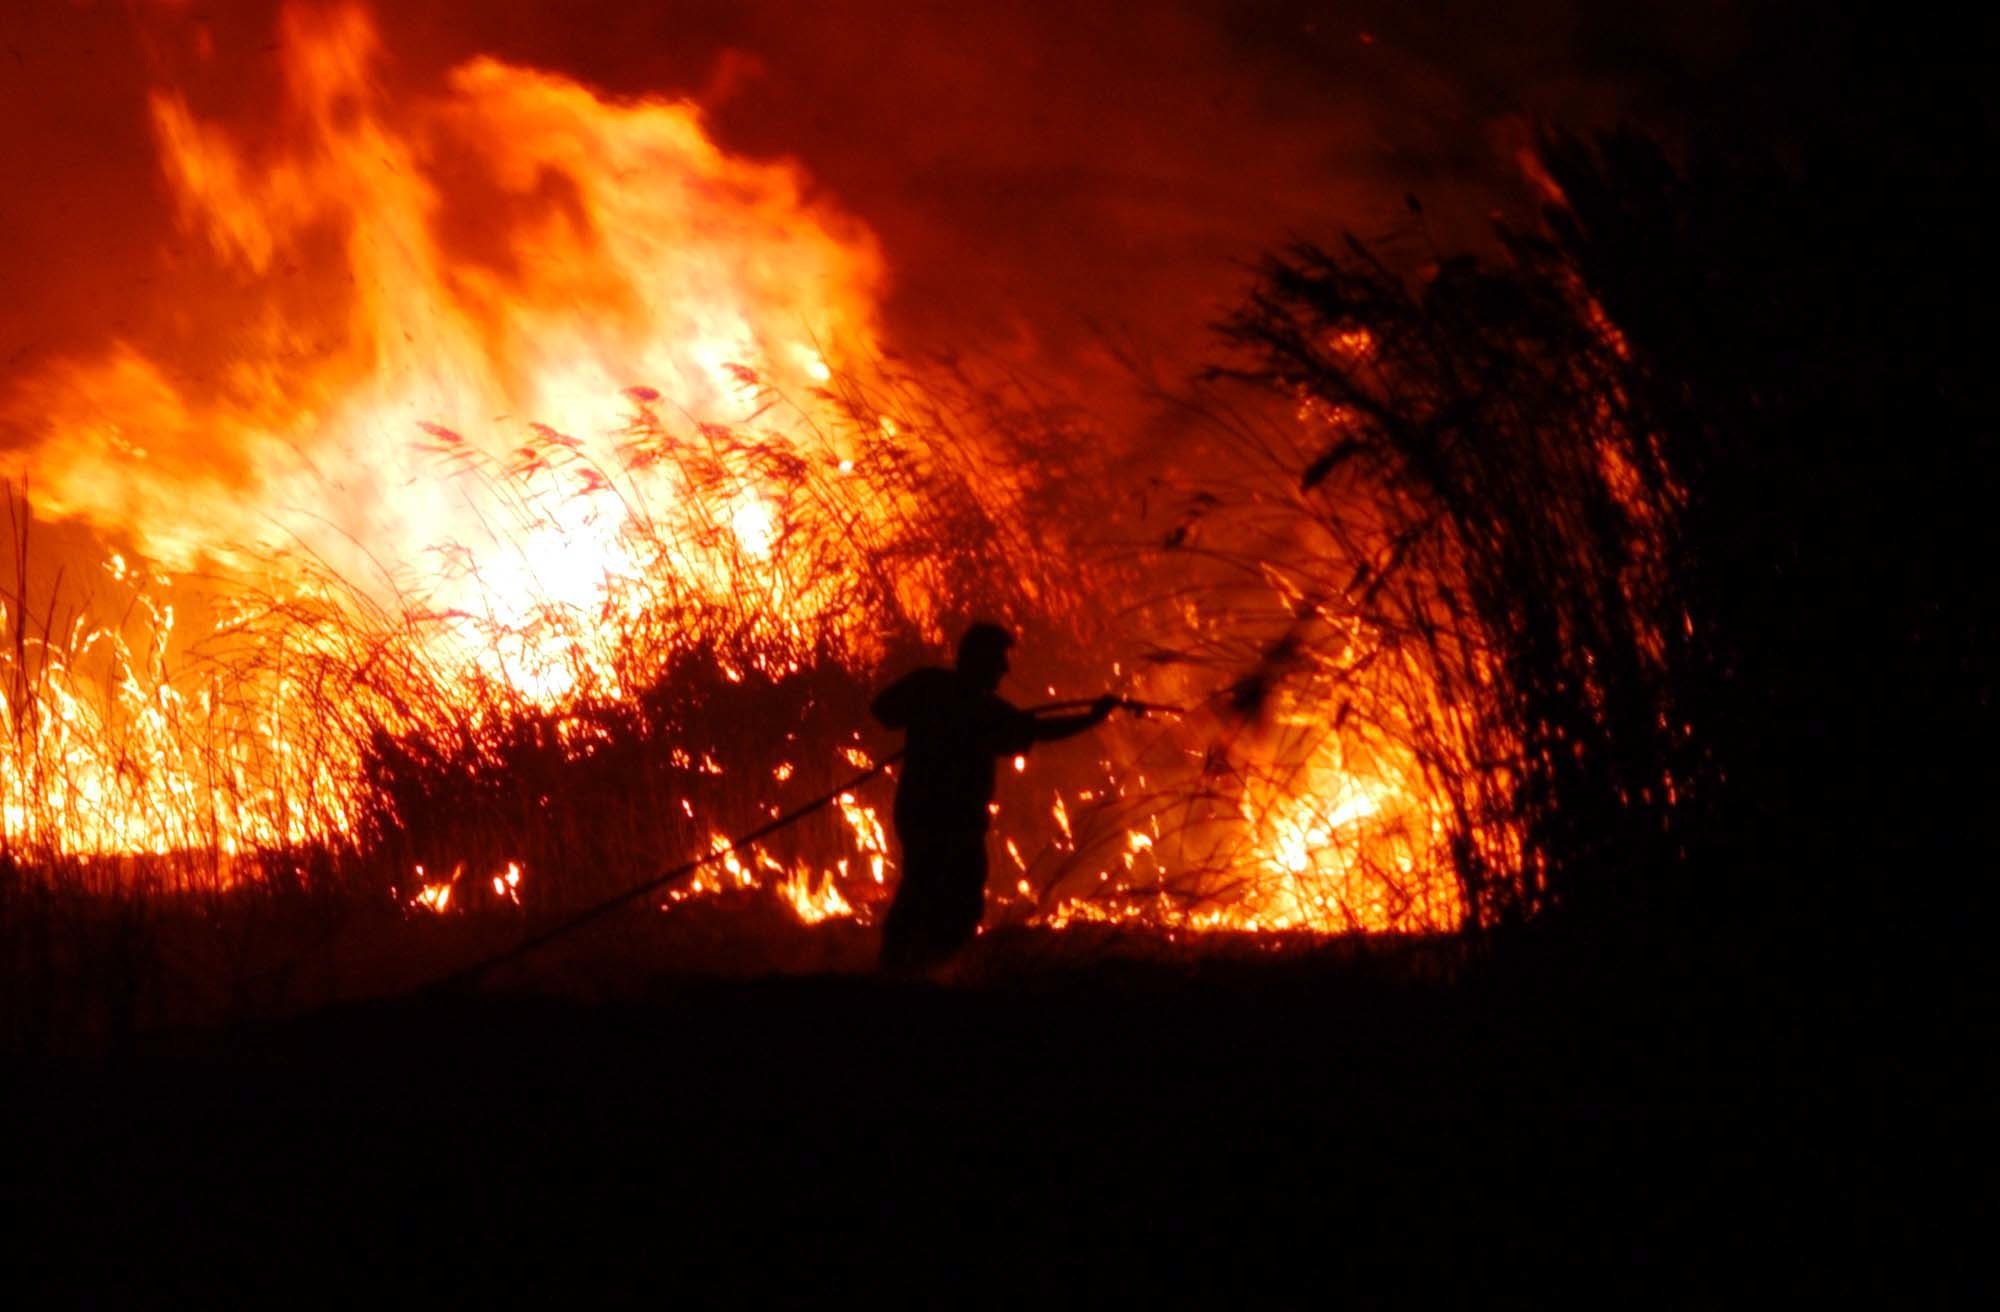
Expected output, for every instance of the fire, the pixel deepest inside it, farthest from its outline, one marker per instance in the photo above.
(471, 431)
(869, 837)
(1315, 841)
(491, 401)
(812, 894)
(434, 894)
(622, 268)
(507, 884)
(1336, 852)
(812, 905)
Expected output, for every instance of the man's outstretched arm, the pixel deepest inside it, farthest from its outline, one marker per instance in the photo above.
(1055, 728)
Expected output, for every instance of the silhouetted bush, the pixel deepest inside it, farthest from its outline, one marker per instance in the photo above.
(1704, 470)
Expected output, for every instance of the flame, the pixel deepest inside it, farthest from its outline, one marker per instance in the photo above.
(625, 268)
(813, 895)
(526, 371)
(812, 905)
(372, 440)
(434, 894)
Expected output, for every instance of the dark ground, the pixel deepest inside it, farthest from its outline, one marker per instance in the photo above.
(1317, 1128)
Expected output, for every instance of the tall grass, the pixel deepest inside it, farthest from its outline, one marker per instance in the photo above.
(370, 748)
(1678, 507)
(1472, 487)
(357, 742)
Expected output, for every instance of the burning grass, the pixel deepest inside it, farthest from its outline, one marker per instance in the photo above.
(709, 676)
(322, 742)
(544, 572)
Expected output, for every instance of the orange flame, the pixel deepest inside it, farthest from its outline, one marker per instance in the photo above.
(520, 361)
(619, 260)
(430, 276)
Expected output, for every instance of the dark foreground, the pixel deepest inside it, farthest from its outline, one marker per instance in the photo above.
(1187, 1131)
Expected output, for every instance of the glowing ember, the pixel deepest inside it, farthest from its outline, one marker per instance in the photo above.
(433, 895)
(507, 884)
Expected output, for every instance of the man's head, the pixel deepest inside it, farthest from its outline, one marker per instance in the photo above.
(982, 654)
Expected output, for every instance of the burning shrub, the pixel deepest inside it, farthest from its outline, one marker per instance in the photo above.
(1621, 496)
(1476, 509)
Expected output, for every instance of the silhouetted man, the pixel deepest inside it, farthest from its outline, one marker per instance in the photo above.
(958, 728)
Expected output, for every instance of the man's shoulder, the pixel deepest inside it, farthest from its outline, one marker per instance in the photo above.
(928, 682)
(922, 694)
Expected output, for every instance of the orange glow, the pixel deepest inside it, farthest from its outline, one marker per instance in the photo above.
(643, 269)
(450, 472)
(433, 894)
(813, 904)
(507, 884)
(381, 447)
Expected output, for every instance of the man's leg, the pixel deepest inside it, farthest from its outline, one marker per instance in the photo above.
(964, 900)
(910, 910)
(939, 900)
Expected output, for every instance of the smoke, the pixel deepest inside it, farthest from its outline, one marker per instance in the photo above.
(1036, 174)
(1041, 172)
(1059, 191)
